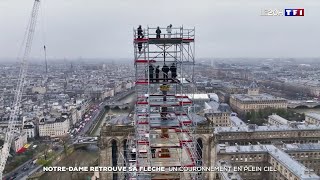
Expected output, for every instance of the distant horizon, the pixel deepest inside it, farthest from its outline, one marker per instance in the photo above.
(84, 59)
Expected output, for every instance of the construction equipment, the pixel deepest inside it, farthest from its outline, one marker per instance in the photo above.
(9, 135)
(164, 122)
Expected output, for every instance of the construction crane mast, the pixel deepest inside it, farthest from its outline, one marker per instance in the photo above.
(9, 135)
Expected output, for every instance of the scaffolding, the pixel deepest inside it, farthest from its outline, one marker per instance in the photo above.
(164, 129)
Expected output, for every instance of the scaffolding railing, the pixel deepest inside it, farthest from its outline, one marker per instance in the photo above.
(180, 32)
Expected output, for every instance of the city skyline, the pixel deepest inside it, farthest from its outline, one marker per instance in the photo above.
(230, 91)
(225, 29)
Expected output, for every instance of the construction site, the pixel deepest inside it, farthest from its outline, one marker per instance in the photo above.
(163, 126)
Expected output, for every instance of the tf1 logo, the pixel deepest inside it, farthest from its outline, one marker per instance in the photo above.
(294, 12)
(281, 12)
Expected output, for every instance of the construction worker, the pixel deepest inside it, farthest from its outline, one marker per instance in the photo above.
(158, 32)
(153, 152)
(139, 30)
(173, 70)
(140, 36)
(151, 69)
(139, 47)
(169, 29)
(157, 73)
(165, 70)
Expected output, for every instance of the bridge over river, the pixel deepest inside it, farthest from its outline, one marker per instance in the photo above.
(303, 104)
(123, 100)
(80, 141)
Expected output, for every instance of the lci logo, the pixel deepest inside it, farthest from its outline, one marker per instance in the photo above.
(280, 12)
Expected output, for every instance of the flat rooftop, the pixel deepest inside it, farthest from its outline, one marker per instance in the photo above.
(266, 128)
(259, 97)
(301, 147)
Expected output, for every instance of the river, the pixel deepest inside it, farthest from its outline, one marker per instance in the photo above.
(127, 99)
(307, 110)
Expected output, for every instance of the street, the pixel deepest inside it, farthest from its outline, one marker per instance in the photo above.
(27, 168)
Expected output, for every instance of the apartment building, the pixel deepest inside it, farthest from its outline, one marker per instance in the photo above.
(54, 127)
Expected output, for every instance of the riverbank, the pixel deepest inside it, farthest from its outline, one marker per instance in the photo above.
(97, 125)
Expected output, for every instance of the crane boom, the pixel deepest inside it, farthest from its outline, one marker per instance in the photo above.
(9, 135)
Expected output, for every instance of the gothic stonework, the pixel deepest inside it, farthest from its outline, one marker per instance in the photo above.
(120, 133)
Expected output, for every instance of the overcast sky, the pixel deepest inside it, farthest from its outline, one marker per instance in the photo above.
(103, 28)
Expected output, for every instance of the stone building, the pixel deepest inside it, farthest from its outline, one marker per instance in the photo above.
(275, 119)
(243, 135)
(254, 101)
(265, 162)
(115, 138)
(307, 154)
(53, 127)
(313, 118)
(218, 113)
(29, 128)
(113, 145)
(236, 141)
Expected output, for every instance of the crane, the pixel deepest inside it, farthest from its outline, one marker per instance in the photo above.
(9, 134)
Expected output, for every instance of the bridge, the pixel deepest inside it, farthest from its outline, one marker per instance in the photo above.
(304, 104)
(119, 105)
(114, 102)
(80, 142)
(121, 95)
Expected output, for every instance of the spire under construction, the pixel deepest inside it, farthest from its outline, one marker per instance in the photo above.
(164, 127)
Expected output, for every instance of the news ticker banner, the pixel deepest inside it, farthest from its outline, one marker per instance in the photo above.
(159, 169)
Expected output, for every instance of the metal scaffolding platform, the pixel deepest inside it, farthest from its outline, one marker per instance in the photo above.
(164, 129)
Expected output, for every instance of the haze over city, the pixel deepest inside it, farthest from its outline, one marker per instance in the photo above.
(102, 29)
(204, 90)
